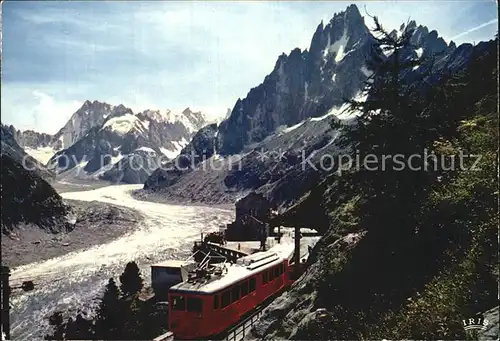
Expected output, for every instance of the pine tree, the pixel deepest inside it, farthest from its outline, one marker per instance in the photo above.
(56, 320)
(79, 329)
(130, 280)
(109, 319)
(135, 319)
(382, 197)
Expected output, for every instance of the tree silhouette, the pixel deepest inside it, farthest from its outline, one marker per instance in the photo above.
(130, 280)
(79, 329)
(109, 319)
(56, 320)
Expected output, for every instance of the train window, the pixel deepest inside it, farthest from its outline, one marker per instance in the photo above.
(194, 304)
(271, 273)
(225, 299)
(252, 284)
(244, 289)
(276, 272)
(282, 269)
(264, 277)
(216, 301)
(173, 271)
(235, 295)
(178, 303)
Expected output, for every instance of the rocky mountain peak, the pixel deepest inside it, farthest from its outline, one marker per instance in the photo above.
(95, 105)
(303, 83)
(194, 119)
(412, 25)
(90, 114)
(187, 111)
(352, 10)
(429, 42)
(28, 138)
(190, 119)
(309, 83)
(344, 31)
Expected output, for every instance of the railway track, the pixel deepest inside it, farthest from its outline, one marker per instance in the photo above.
(239, 332)
(242, 328)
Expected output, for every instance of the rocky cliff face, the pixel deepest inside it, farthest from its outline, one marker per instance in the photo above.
(134, 168)
(90, 115)
(14, 151)
(304, 83)
(26, 196)
(201, 147)
(289, 114)
(348, 291)
(30, 138)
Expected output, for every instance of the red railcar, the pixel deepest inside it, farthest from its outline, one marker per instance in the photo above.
(203, 308)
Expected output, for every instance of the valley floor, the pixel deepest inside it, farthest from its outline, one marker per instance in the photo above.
(77, 185)
(172, 199)
(71, 282)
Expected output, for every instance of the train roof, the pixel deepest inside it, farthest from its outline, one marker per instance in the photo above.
(244, 268)
(172, 263)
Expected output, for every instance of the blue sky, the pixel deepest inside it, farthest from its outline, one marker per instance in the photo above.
(169, 54)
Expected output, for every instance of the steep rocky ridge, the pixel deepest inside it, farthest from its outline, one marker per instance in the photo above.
(30, 138)
(90, 115)
(303, 84)
(348, 291)
(201, 148)
(282, 116)
(26, 196)
(285, 166)
(14, 151)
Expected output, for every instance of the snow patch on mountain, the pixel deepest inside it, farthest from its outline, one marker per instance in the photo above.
(42, 154)
(337, 48)
(124, 124)
(116, 159)
(419, 52)
(178, 145)
(387, 53)
(341, 46)
(146, 149)
(284, 129)
(365, 71)
(191, 120)
(78, 171)
(171, 154)
(181, 144)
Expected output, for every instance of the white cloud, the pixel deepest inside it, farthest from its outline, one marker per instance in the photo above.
(58, 111)
(37, 110)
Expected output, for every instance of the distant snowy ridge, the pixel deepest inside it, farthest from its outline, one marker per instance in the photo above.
(109, 140)
(124, 124)
(193, 121)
